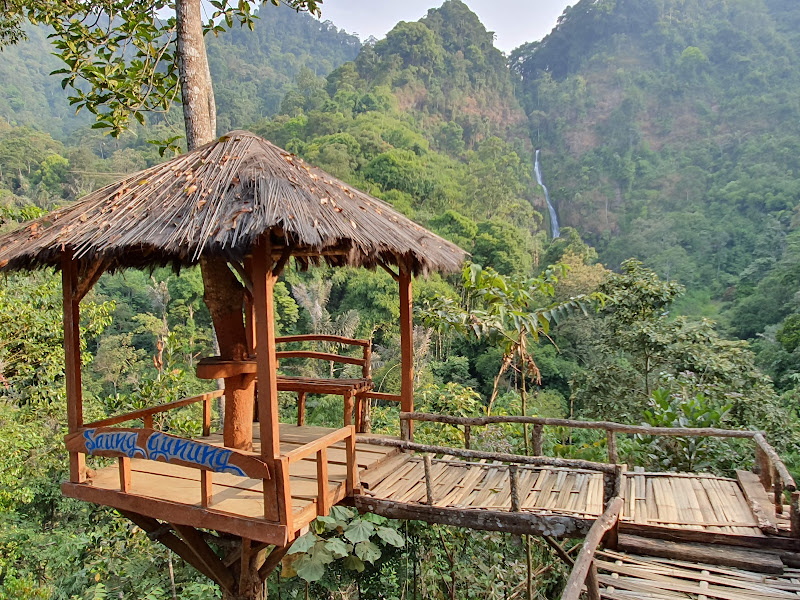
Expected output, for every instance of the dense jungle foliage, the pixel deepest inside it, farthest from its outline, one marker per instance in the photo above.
(668, 132)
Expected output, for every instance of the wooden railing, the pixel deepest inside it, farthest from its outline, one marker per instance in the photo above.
(584, 571)
(365, 362)
(612, 474)
(125, 443)
(768, 465)
(146, 414)
(319, 447)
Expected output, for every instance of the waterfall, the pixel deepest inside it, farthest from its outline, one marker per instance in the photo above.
(537, 169)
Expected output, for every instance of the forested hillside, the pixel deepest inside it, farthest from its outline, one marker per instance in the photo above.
(668, 132)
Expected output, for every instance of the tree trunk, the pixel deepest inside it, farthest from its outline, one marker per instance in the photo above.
(224, 295)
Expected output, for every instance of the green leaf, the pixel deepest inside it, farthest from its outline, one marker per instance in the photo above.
(391, 536)
(303, 544)
(354, 563)
(338, 548)
(359, 531)
(367, 551)
(309, 569)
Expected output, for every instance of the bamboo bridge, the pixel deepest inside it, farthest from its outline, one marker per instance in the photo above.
(646, 534)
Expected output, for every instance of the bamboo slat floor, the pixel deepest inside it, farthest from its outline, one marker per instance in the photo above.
(626, 576)
(700, 502)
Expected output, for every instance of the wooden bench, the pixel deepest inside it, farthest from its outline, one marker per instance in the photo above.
(352, 390)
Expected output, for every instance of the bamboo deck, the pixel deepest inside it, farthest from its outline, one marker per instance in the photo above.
(627, 576)
(682, 501)
(234, 496)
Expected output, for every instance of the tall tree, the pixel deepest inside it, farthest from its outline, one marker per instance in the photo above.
(124, 60)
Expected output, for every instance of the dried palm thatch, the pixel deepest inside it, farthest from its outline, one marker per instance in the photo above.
(217, 201)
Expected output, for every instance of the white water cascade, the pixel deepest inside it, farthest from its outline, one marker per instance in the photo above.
(555, 231)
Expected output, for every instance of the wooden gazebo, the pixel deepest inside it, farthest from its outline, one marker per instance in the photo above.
(243, 202)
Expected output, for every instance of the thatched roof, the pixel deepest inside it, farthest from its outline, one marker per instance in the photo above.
(218, 200)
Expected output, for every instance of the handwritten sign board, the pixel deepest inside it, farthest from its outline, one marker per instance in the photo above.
(158, 446)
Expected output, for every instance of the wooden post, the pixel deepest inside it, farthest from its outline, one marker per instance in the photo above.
(266, 367)
(406, 349)
(513, 474)
(301, 409)
(467, 435)
(592, 585)
(323, 503)
(206, 489)
(428, 482)
(124, 474)
(777, 489)
(147, 421)
(538, 439)
(207, 417)
(359, 415)
(611, 439)
(348, 409)
(352, 472)
(795, 515)
(72, 360)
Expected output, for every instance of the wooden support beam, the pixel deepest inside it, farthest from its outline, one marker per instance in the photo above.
(406, 349)
(521, 523)
(467, 437)
(89, 278)
(266, 368)
(195, 542)
(583, 564)
(794, 515)
(72, 359)
(156, 531)
(175, 512)
(727, 556)
(273, 560)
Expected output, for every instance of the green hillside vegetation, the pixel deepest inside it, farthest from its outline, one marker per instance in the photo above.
(668, 134)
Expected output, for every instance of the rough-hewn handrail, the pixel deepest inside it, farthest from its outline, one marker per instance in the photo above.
(787, 480)
(584, 563)
(499, 456)
(311, 337)
(324, 442)
(606, 425)
(144, 413)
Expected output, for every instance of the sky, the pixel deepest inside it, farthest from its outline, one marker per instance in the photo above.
(514, 21)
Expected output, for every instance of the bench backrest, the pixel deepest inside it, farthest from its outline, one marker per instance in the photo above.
(364, 362)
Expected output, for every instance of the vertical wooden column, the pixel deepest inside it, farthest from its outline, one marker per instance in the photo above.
(406, 350)
(277, 496)
(266, 363)
(72, 359)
